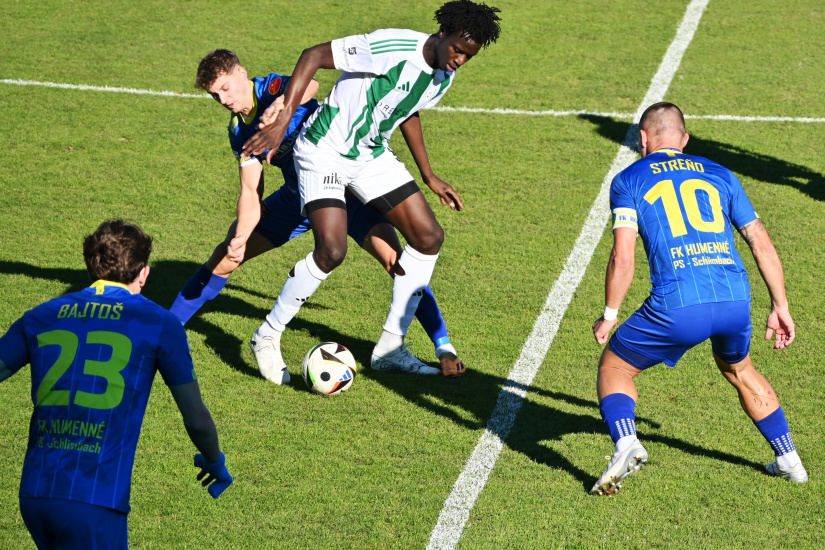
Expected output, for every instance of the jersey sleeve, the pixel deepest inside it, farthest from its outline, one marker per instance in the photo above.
(237, 140)
(741, 212)
(622, 205)
(374, 53)
(13, 350)
(174, 358)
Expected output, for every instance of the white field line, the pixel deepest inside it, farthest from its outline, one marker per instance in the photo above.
(550, 113)
(472, 479)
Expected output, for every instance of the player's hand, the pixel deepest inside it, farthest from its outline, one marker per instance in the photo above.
(214, 476)
(781, 323)
(236, 249)
(445, 191)
(602, 328)
(267, 138)
(271, 114)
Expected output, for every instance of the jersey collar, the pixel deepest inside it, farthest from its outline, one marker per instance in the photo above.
(100, 286)
(670, 149)
(254, 111)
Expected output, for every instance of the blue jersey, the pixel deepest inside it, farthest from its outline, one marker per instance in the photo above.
(93, 357)
(265, 91)
(685, 209)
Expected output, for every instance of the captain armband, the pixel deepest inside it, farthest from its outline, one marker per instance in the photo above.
(625, 217)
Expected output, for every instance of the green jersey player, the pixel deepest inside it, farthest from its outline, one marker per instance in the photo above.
(389, 75)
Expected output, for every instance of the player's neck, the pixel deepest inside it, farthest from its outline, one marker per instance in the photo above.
(249, 100)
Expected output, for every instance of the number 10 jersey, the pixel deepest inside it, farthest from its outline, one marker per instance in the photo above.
(685, 208)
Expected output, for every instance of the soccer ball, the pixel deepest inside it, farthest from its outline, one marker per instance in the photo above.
(329, 369)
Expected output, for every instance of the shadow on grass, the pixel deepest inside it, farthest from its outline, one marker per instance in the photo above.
(467, 401)
(757, 166)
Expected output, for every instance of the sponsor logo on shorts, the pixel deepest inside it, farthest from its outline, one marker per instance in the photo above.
(333, 181)
(351, 51)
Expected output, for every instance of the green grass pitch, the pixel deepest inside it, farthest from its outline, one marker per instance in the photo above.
(371, 469)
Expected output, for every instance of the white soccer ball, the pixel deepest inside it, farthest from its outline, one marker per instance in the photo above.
(329, 369)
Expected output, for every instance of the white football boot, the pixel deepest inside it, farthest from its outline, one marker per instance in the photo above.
(268, 356)
(621, 465)
(794, 473)
(401, 360)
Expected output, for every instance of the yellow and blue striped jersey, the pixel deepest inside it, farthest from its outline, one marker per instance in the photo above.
(93, 357)
(685, 209)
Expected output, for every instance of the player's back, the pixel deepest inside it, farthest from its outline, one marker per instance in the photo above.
(93, 356)
(686, 209)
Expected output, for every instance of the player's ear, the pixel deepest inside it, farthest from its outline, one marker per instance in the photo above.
(643, 142)
(685, 139)
(143, 275)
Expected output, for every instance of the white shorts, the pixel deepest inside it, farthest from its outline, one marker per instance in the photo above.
(325, 175)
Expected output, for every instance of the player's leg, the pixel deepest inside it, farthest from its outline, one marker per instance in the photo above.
(323, 203)
(281, 221)
(210, 279)
(645, 339)
(617, 405)
(414, 218)
(329, 229)
(760, 403)
(385, 185)
(57, 523)
(731, 350)
(379, 239)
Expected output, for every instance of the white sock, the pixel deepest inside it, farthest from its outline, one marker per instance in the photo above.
(408, 288)
(297, 290)
(788, 460)
(624, 442)
(268, 331)
(388, 342)
(445, 348)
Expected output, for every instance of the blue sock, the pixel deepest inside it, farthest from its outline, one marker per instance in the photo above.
(431, 320)
(774, 428)
(619, 413)
(202, 287)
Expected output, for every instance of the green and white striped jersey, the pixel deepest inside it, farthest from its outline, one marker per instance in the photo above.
(385, 80)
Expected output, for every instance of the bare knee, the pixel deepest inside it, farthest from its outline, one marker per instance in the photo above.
(330, 256)
(430, 241)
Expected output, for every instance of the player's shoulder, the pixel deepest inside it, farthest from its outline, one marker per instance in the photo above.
(270, 86)
(391, 39)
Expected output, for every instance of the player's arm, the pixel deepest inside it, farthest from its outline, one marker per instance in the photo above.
(271, 114)
(770, 267)
(620, 269)
(201, 429)
(5, 371)
(414, 136)
(249, 208)
(312, 59)
(15, 353)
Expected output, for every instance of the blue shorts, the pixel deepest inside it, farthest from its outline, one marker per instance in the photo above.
(282, 220)
(69, 525)
(649, 336)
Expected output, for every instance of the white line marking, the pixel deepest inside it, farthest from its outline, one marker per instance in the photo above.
(552, 113)
(461, 500)
(96, 88)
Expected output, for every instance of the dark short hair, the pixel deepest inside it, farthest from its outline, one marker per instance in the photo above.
(478, 22)
(116, 251)
(212, 66)
(653, 115)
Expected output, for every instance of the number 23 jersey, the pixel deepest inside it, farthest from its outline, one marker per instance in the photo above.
(685, 208)
(93, 357)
